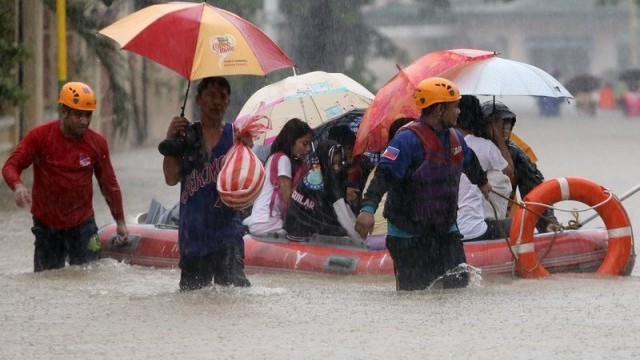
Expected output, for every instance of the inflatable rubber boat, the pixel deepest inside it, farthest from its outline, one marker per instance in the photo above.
(153, 241)
(157, 245)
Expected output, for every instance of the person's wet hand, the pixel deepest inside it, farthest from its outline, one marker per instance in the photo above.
(552, 227)
(23, 196)
(178, 126)
(495, 130)
(245, 139)
(486, 190)
(352, 195)
(364, 224)
(123, 234)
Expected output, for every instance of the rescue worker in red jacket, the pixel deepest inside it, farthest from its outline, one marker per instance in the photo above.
(65, 155)
(421, 170)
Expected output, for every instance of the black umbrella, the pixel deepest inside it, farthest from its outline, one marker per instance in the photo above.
(631, 77)
(583, 83)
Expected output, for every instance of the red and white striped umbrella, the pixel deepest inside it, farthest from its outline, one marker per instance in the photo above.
(198, 40)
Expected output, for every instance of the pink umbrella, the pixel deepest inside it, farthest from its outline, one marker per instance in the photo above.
(395, 98)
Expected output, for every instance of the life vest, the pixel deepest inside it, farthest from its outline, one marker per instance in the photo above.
(433, 185)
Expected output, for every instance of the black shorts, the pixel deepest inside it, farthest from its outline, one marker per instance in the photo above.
(420, 261)
(80, 244)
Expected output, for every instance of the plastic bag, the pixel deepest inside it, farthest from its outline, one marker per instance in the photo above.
(242, 176)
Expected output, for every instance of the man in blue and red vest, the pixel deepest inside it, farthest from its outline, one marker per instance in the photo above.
(420, 169)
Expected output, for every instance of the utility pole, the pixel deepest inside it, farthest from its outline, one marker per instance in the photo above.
(61, 17)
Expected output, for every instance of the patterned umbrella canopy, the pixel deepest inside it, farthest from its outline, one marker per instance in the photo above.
(395, 98)
(317, 98)
(198, 40)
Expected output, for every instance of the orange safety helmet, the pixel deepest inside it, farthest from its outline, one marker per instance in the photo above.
(435, 90)
(77, 95)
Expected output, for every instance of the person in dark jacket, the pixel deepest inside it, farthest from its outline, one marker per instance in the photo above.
(420, 169)
(527, 175)
(317, 204)
(357, 167)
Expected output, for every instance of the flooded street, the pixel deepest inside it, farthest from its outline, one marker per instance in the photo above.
(110, 310)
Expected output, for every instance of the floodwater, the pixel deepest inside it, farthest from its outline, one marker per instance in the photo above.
(109, 310)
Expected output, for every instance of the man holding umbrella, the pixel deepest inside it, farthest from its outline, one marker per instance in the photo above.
(420, 169)
(209, 233)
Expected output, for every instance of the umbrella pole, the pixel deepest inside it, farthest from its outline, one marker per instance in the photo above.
(186, 96)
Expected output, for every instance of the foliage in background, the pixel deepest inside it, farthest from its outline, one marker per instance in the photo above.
(329, 35)
(11, 54)
(333, 36)
(85, 18)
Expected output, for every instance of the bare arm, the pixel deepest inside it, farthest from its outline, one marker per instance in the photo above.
(285, 188)
(171, 168)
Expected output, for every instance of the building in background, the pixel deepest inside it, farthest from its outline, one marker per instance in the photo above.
(568, 37)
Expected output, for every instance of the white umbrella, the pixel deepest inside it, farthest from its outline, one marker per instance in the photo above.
(316, 98)
(501, 77)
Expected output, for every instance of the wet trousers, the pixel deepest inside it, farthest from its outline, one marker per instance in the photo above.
(81, 244)
(421, 260)
(224, 266)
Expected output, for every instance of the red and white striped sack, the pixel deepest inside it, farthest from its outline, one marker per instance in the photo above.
(242, 176)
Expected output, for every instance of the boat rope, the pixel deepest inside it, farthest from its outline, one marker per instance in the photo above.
(506, 236)
(571, 224)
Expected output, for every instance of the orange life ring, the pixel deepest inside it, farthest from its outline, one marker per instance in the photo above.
(605, 203)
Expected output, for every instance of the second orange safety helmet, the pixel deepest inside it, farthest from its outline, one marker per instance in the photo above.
(435, 90)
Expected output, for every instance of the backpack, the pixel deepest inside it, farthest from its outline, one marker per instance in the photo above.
(273, 178)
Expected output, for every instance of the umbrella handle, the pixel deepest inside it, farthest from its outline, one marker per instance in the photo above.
(186, 96)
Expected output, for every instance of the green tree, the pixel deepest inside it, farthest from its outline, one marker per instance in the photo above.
(85, 18)
(331, 35)
(11, 54)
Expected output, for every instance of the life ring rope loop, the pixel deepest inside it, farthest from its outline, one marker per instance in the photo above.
(596, 197)
(555, 208)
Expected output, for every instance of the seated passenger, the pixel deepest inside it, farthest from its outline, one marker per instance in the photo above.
(285, 166)
(317, 204)
(484, 136)
(472, 223)
(476, 220)
(527, 175)
(358, 167)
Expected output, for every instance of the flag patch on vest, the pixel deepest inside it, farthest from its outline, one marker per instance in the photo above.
(391, 153)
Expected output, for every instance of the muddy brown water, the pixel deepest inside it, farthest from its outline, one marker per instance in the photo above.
(110, 310)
